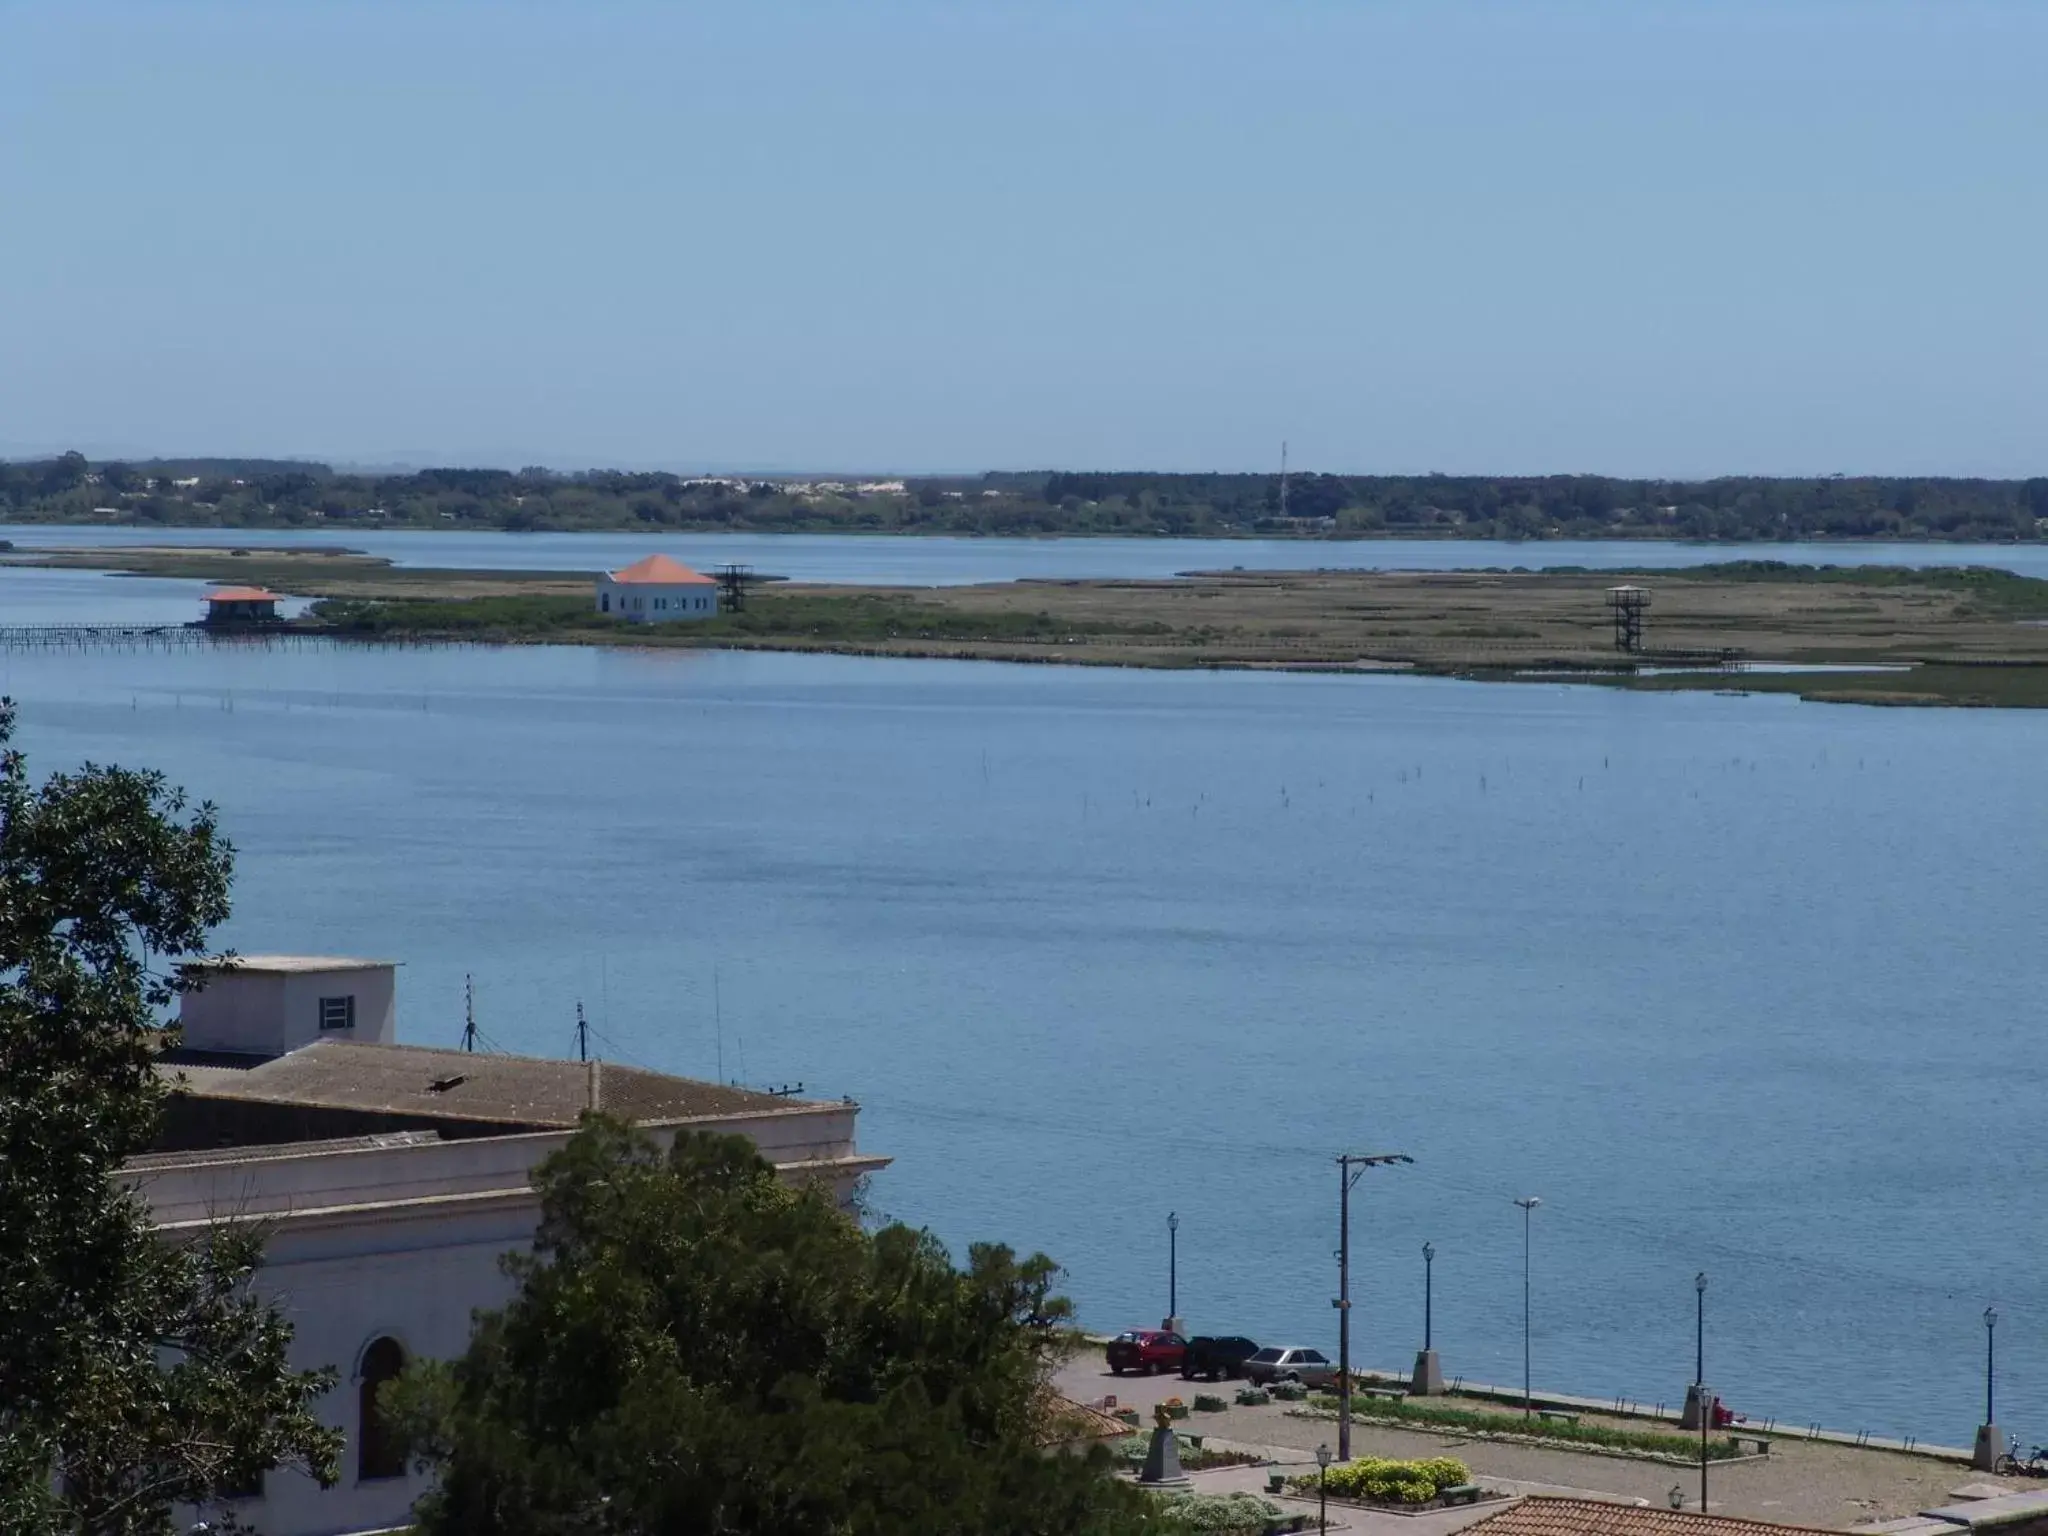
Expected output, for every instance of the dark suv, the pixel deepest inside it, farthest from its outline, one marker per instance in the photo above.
(1214, 1357)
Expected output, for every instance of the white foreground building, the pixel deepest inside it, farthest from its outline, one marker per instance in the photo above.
(390, 1179)
(656, 590)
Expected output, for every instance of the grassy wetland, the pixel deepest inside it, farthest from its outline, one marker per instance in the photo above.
(1957, 636)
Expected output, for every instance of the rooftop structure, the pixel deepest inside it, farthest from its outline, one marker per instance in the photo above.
(1541, 1516)
(656, 590)
(257, 1006)
(240, 605)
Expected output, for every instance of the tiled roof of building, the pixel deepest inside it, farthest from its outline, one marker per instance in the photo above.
(1541, 1516)
(240, 595)
(659, 570)
(1066, 1421)
(464, 1085)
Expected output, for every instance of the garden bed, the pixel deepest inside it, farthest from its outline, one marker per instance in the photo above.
(1600, 1439)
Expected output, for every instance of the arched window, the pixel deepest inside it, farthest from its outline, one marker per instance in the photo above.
(377, 1450)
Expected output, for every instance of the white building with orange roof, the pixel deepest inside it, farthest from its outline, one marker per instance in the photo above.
(656, 590)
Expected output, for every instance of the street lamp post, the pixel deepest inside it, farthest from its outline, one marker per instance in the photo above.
(1699, 1376)
(1428, 1377)
(1428, 1287)
(1322, 1486)
(1350, 1169)
(1172, 1270)
(1527, 1203)
(1985, 1458)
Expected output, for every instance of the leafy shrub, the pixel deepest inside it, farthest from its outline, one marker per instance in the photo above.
(1209, 1402)
(1382, 1481)
(1290, 1391)
(1220, 1514)
(1253, 1397)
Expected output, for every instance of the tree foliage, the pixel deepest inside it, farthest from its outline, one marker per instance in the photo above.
(274, 493)
(141, 1371)
(696, 1348)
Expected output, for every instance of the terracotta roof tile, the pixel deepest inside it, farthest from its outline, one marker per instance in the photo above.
(659, 570)
(1541, 1516)
(472, 1086)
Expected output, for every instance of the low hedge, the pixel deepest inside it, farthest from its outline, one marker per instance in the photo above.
(1225, 1514)
(1208, 1402)
(1409, 1411)
(1388, 1482)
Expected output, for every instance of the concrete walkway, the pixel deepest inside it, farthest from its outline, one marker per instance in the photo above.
(1821, 1482)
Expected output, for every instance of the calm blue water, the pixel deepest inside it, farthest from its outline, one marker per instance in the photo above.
(891, 560)
(1734, 984)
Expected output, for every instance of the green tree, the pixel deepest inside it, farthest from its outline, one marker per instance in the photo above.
(695, 1347)
(140, 1372)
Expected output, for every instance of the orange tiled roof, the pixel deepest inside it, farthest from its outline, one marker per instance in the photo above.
(1540, 1516)
(1066, 1420)
(240, 595)
(659, 570)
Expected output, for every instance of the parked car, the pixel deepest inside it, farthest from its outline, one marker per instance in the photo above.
(1307, 1366)
(1213, 1357)
(1146, 1351)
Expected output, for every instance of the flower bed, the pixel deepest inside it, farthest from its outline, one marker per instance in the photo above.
(1374, 1480)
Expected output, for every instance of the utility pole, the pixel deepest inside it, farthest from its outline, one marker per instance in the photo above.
(582, 1035)
(1346, 1177)
(468, 1013)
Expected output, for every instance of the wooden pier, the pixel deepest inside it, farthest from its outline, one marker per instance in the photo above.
(181, 637)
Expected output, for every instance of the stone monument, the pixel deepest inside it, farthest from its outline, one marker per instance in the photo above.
(1428, 1380)
(1162, 1460)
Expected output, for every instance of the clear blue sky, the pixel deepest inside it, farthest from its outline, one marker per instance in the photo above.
(1533, 235)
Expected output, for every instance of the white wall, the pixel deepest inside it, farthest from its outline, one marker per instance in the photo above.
(641, 602)
(267, 1013)
(403, 1241)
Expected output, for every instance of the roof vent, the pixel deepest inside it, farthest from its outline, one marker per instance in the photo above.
(443, 1084)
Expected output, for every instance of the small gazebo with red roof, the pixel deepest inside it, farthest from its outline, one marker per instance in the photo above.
(656, 590)
(230, 606)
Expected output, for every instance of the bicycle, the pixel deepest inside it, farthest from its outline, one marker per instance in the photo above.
(2013, 1464)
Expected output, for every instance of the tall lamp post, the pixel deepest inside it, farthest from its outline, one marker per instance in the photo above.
(1985, 1457)
(1322, 1486)
(1428, 1287)
(1172, 1269)
(1699, 1376)
(1350, 1169)
(1428, 1379)
(1528, 1203)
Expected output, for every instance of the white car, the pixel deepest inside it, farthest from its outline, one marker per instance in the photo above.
(1308, 1366)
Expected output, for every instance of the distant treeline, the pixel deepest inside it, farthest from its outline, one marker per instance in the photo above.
(269, 493)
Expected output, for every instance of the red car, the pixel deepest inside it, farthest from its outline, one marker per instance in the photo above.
(1146, 1351)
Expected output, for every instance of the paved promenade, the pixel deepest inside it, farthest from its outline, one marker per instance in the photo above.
(1801, 1482)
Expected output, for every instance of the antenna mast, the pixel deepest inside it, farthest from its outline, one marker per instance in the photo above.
(582, 1034)
(468, 1013)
